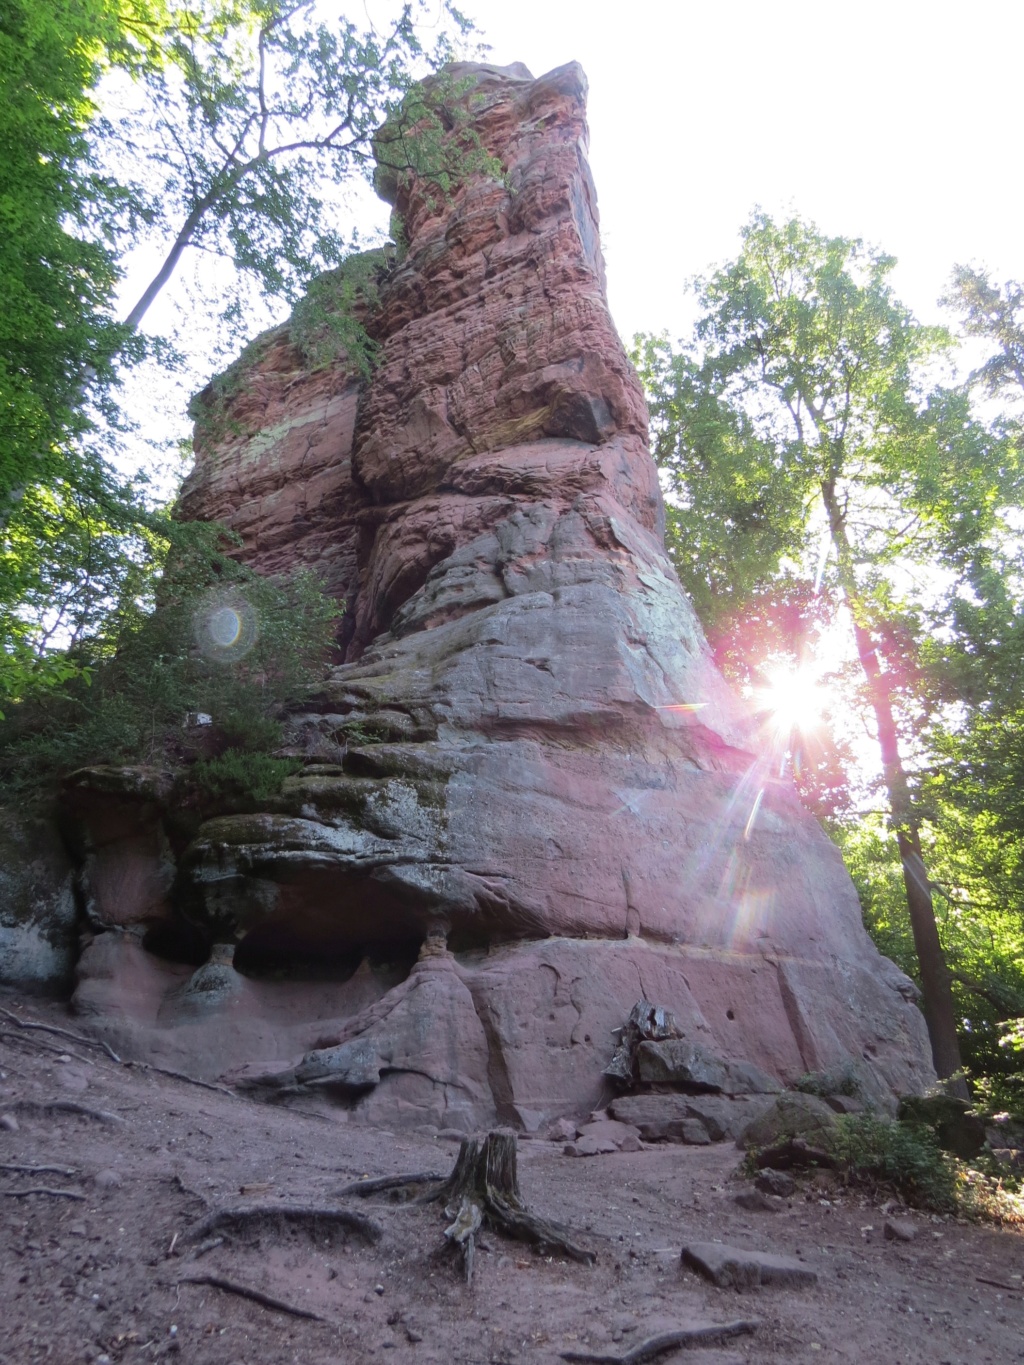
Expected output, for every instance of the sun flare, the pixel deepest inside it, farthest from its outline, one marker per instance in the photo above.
(794, 699)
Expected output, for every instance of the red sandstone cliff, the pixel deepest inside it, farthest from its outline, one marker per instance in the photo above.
(560, 786)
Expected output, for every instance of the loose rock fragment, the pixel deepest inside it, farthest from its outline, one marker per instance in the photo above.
(899, 1230)
(771, 1181)
(755, 1202)
(740, 1268)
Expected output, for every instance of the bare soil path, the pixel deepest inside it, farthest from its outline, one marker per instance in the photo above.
(99, 1266)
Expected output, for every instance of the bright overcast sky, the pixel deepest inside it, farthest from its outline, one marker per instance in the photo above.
(897, 122)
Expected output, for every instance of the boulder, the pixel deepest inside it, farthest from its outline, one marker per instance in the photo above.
(793, 1115)
(688, 1066)
(623, 1136)
(770, 1181)
(731, 1267)
(680, 1063)
(685, 1118)
(753, 1201)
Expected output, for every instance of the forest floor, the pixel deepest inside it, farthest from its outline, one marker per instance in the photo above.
(101, 1272)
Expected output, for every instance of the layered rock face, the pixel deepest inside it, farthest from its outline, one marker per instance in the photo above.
(529, 799)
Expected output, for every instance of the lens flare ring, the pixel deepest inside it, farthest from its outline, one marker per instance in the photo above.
(226, 627)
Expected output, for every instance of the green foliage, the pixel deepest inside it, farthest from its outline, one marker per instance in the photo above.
(805, 448)
(237, 124)
(981, 931)
(223, 641)
(75, 554)
(903, 1157)
(241, 775)
(57, 267)
(256, 111)
(428, 136)
(329, 320)
(996, 315)
(734, 516)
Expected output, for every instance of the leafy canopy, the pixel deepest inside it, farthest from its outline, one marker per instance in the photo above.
(801, 417)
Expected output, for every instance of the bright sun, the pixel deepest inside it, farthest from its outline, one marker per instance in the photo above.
(794, 699)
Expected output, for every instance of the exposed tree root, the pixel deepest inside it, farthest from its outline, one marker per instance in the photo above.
(252, 1216)
(186, 1190)
(42, 1189)
(44, 1107)
(182, 1076)
(59, 1049)
(667, 1341)
(387, 1183)
(484, 1188)
(255, 1295)
(61, 1032)
(18, 1169)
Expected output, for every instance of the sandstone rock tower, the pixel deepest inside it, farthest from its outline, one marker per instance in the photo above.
(529, 799)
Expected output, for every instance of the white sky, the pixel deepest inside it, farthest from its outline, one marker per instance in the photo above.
(897, 122)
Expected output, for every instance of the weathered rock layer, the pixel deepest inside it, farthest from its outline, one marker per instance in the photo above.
(528, 782)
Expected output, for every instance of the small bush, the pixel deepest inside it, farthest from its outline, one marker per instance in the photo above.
(222, 640)
(242, 776)
(904, 1157)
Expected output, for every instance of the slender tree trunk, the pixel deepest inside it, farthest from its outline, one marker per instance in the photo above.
(936, 982)
(171, 260)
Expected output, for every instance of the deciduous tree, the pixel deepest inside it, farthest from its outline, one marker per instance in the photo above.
(800, 420)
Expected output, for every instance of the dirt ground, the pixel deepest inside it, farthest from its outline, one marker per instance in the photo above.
(102, 1277)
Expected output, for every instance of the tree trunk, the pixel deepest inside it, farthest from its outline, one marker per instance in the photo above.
(936, 990)
(936, 985)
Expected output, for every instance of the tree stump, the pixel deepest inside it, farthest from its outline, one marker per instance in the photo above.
(483, 1188)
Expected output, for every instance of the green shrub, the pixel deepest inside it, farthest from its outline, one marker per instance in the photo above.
(901, 1156)
(240, 776)
(222, 640)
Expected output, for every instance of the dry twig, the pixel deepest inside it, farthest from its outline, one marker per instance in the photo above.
(1000, 1284)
